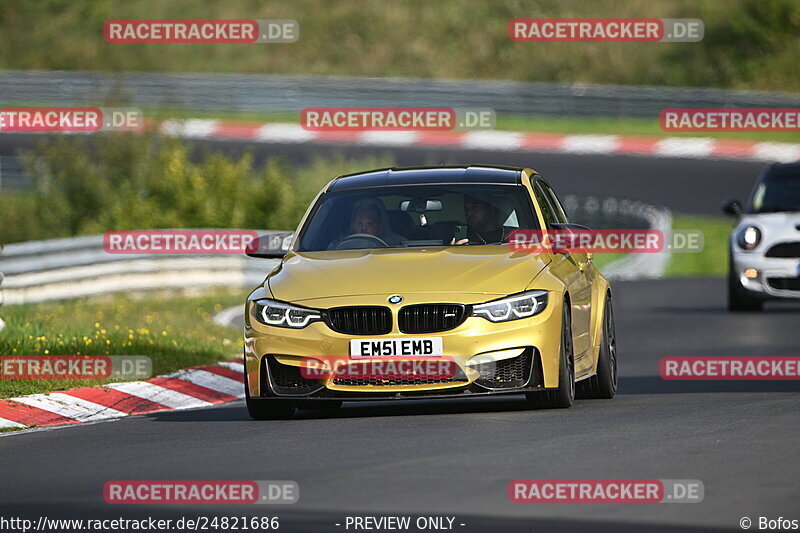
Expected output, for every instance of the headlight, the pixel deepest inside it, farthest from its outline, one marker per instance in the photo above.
(514, 307)
(749, 237)
(283, 315)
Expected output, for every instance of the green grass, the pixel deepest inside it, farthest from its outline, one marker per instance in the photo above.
(713, 260)
(748, 44)
(175, 331)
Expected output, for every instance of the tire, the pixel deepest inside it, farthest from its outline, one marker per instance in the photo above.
(739, 298)
(267, 409)
(603, 385)
(564, 395)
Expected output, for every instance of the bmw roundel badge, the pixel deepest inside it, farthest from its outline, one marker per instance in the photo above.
(395, 299)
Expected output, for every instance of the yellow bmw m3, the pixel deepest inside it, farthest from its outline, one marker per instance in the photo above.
(402, 284)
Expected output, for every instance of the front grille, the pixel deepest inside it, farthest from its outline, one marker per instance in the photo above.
(784, 249)
(286, 379)
(784, 284)
(430, 318)
(361, 320)
(506, 373)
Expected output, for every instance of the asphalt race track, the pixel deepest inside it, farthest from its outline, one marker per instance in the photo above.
(695, 186)
(457, 458)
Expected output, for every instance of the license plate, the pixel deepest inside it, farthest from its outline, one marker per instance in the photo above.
(419, 346)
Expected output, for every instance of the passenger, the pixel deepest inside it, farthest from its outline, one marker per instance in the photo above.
(482, 223)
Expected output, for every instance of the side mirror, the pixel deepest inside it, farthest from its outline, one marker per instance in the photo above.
(570, 227)
(270, 246)
(732, 207)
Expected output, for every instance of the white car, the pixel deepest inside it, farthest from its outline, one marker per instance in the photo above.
(765, 244)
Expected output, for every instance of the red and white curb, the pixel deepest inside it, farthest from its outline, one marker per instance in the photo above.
(185, 389)
(677, 147)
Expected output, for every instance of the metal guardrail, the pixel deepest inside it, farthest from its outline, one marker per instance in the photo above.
(256, 92)
(58, 269)
(616, 213)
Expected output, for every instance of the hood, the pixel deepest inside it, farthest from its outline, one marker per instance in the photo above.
(454, 269)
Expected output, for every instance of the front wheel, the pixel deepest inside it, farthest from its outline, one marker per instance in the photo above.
(564, 395)
(603, 385)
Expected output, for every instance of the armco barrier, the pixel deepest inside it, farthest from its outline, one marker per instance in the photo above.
(615, 213)
(264, 92)
(58, 269)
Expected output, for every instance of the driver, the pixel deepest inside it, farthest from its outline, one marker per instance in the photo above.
(369, 218)
(482, 224)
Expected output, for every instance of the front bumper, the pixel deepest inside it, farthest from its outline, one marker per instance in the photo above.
(778, 278)
(274, 357)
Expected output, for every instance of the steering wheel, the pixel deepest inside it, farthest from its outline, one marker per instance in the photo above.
(356, 236)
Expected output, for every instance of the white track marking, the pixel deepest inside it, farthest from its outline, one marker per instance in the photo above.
(236, 367)
(390, 138)
(192, 128)
(492, 140)
(780, 152)
(69, 406)
(10, 424)
(590, 144)
(211, 381)
(680, 147)
(157, 394)
(284, 133)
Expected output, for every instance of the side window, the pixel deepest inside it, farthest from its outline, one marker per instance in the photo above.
(544, 205)
(560, 214)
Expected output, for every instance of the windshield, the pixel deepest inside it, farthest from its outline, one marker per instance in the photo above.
(421, 215)
(777, 192)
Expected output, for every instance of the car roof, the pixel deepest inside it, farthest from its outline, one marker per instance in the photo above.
(428, 175)
(783, 166)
